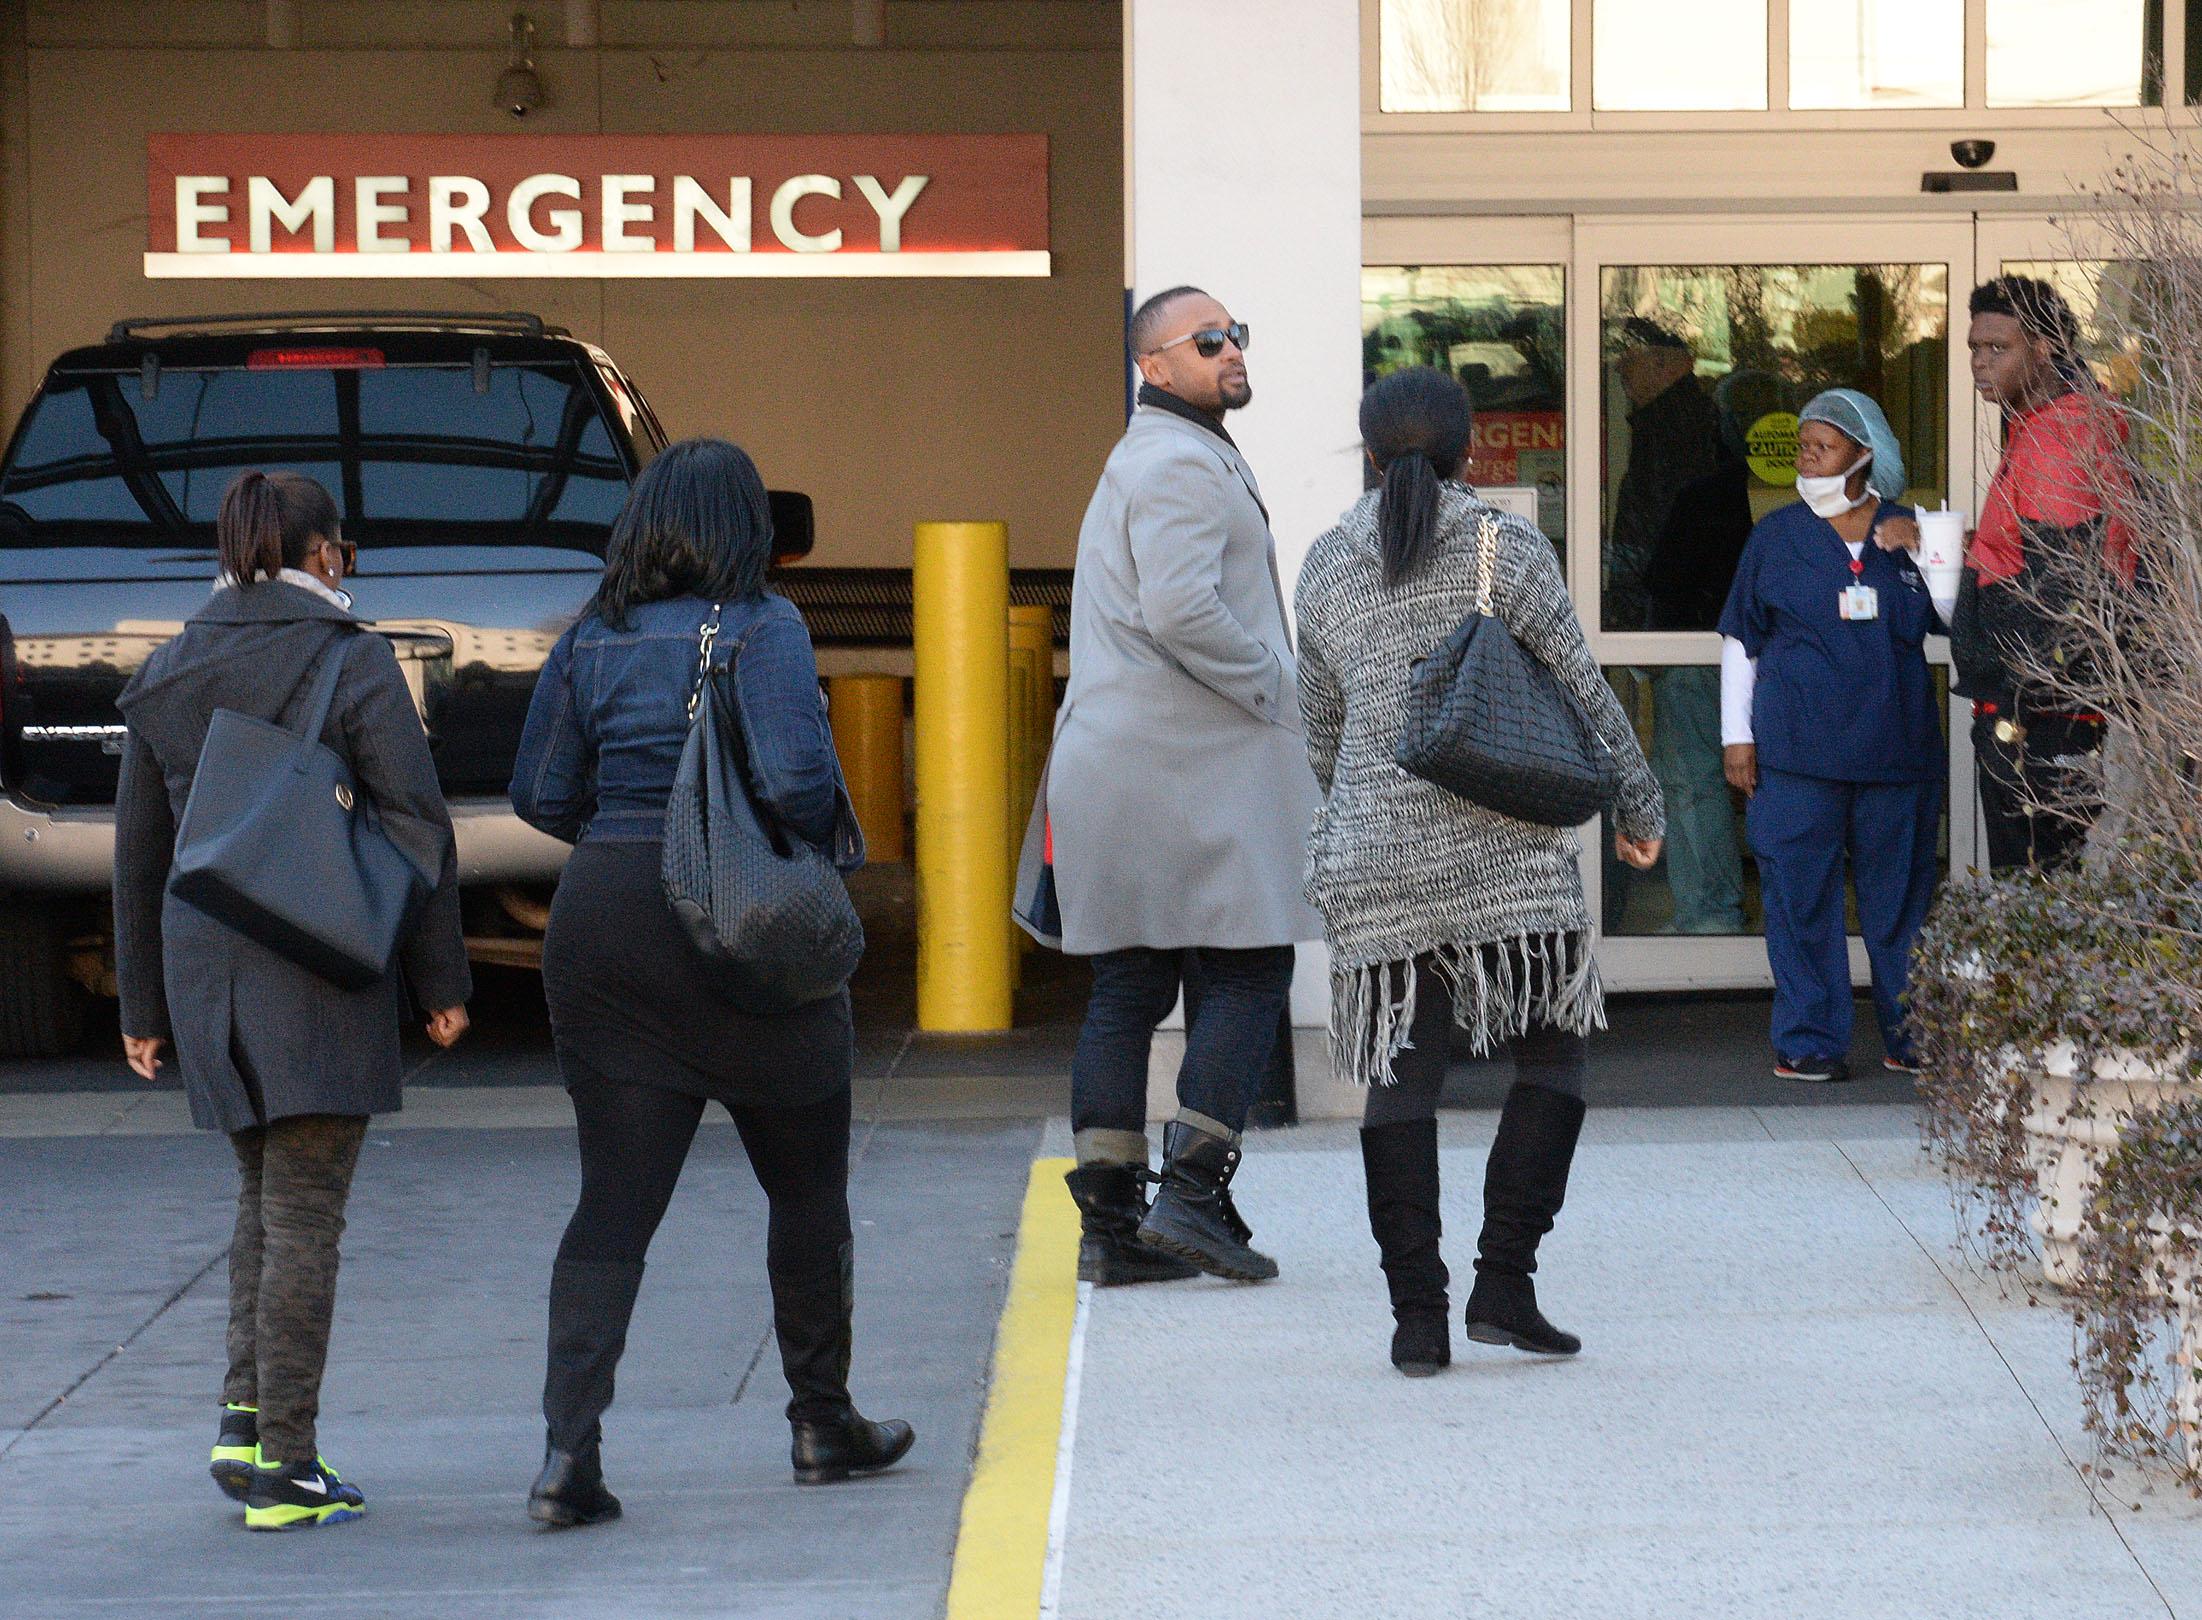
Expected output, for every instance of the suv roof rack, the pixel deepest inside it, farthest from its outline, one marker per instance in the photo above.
(510, 319)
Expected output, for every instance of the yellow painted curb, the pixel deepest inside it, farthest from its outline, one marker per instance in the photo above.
(1001, 1548)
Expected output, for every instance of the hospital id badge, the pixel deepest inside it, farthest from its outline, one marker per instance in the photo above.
(1859, 602)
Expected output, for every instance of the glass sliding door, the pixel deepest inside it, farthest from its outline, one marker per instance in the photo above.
(1696, 344)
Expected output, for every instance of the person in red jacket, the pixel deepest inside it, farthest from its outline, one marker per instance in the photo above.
(2050, 508)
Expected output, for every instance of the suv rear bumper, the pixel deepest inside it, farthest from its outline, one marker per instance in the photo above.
(72, 851)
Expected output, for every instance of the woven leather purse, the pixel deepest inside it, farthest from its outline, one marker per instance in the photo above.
(1490, 723)
(768, 908)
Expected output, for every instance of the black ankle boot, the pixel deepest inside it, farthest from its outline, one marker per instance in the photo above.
(832, 1449)
(591, 1302)
(1400, 1162)
(570, 1490)
(1524, 1185)
(1110, 1208)
(1193, 1216)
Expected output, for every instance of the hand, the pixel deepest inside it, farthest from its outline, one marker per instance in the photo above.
(1896, 534)
(1641, 853)
(143, 1054)
(446, 1026)
(1739, 762)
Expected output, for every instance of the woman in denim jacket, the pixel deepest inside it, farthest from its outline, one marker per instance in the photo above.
(647, 1031)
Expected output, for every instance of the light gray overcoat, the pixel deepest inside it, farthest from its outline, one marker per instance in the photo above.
(1179, 787)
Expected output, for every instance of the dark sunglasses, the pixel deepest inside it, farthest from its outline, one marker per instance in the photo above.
(1208, 342)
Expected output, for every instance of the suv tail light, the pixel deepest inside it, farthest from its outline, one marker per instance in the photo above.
(314, 360)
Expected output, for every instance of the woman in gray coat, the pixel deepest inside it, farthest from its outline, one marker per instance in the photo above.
(1442, 914)
(285, 1063)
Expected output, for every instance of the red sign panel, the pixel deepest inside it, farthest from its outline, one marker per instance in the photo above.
(596, 205)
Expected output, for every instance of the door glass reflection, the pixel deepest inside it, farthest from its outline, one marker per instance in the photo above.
(1473, 55)
(1876, 53)
(1502, 330)
(1655, 56)
(2072, 53)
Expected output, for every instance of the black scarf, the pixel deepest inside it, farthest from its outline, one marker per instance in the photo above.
(1149, 394)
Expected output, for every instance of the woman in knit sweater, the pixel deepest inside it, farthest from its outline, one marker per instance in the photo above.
(1440, 913)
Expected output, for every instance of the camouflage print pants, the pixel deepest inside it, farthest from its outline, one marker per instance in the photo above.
(293, 1178)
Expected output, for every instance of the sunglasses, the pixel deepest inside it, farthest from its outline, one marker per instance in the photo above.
(1208, 342)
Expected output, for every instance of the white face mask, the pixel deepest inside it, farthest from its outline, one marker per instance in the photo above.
(1829, 497)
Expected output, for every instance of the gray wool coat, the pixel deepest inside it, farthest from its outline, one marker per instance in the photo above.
(241, 1019)
(1178, 788)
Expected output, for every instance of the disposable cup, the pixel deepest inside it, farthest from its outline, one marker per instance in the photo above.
(1942, 551)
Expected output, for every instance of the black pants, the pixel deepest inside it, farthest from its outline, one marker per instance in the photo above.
(2030, 805)
(1228, 1041)
(1544, 1056)
(634, 1140)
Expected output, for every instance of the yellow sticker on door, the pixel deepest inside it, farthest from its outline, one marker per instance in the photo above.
(1771, 447)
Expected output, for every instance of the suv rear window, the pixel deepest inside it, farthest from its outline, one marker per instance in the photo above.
(414, 454)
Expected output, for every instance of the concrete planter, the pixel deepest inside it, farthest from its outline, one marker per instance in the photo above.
(2069, 1134)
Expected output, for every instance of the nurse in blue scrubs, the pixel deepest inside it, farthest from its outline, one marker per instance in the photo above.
(1829, 724)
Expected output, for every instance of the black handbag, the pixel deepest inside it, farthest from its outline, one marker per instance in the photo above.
(766, 906)
(279, 843)
(1492, 724)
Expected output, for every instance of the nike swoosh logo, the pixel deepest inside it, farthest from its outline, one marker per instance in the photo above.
(313, 1482)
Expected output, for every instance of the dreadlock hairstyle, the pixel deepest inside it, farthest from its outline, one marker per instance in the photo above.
(2039, 308)
(268, 520)
(1414, 424)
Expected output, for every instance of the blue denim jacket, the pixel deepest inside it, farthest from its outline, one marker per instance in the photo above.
(610, 713)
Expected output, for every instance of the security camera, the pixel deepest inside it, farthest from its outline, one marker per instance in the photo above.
(1971, 154)
(520, 87)
(519, 91)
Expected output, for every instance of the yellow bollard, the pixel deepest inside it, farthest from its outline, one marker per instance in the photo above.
(867, 734)
(1013, 787)
(960, 605)
(1031, 718)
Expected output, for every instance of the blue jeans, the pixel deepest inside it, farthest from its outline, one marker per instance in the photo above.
(1704, 866)
(1228, 1039)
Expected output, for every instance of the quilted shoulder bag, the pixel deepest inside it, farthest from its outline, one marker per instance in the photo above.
(1487, 721)
(766, 906)
(279, 842)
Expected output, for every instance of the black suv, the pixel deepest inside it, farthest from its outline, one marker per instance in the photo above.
(479, 461)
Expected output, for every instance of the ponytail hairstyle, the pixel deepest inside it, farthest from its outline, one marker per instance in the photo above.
(1414, 424)
(268, 520)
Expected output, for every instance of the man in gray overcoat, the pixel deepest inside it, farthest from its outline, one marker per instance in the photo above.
(1179, 799)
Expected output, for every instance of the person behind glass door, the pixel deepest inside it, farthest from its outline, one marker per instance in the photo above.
(647, 1031)
(285, 1063)
(1830, 727)
(1441, 914)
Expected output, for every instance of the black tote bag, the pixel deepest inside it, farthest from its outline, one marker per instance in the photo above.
(1490, 723)
(767, 907)
(279, 843)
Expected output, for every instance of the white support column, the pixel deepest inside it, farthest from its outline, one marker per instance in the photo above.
(1242, 175)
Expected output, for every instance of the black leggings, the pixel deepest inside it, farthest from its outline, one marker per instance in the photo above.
(634, 1140)
(1543, 1056)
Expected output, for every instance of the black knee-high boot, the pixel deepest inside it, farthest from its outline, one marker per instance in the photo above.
(1400, 1161)
(591, 1303)
(813, 1311)
(1524, 1185)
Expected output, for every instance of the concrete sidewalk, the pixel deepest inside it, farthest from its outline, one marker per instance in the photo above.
(1794, 1401)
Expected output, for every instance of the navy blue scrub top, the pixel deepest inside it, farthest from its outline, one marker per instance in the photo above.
(1845, 700)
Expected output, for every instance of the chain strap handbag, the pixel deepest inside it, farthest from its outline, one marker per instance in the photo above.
(279, 843)
(768, 907)
(1487, 721)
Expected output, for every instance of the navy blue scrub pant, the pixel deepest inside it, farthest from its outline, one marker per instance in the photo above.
(1800, 829)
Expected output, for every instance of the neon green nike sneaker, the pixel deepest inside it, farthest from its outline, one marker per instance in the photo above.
(298, 1496)
(231, 1464)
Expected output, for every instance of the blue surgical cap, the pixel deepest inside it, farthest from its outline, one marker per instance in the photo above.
(1858, 419)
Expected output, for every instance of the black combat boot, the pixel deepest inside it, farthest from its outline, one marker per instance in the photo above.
(1400, 1161)
(1193, 1216)
(1110, 1208)
(591, 1302)
(813, 1315)
(1524, 1185)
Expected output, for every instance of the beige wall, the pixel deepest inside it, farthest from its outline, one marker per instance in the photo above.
(889, 401)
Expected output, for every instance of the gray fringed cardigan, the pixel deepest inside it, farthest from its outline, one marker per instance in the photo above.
(1400, 867)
